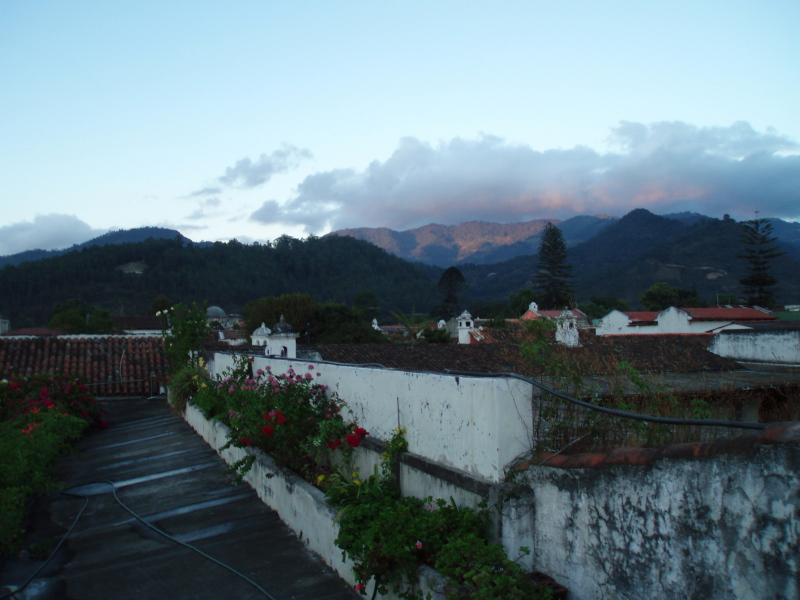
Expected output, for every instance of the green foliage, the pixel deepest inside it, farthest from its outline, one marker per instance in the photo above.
(598, 307)
(288, 416)
(480, 570)
(185, 383)
(451, 285)
(296, 309)
(160, 303)
(521, 300)
(76, 316)
(185, 328)
(760, 248)
(225, 274)
(434, 335)
(333, 323)
(661, 295)
(366, 305)
(39, 419)
(553, 274)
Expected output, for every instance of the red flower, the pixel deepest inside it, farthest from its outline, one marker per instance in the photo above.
(353, 439)
(360, 431)
(280, 418)
(246, 441)
(334, 445)
(267, 429)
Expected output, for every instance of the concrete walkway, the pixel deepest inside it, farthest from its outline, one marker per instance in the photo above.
(167, 475)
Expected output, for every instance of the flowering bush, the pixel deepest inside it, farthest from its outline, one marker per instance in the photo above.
(289, 416)
(39, 418)
(184, 328)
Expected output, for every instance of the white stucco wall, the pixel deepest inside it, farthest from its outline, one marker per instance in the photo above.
(615, 322)
(487, 420)
(476, 424)
(758, 346)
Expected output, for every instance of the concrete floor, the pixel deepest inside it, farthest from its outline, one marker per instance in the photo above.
(167, 475)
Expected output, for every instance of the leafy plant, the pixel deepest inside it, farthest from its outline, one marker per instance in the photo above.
(185, 383)
(184, 329)
(480, 570)
(289, 416)
(40, 417)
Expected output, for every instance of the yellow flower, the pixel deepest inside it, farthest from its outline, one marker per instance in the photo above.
(203, 385)
(357, 481)
(320, 479)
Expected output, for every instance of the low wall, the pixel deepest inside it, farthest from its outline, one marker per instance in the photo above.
(721, 527)
(299, 504)
(782, 347)
(488, 420)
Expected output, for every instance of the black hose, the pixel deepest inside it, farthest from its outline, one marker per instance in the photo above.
(615, 412)
(52, 554)
(140, 519)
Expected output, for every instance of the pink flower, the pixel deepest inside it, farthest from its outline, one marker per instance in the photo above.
(310, 367)
(360, 587)
(308, 376)
(419, 545)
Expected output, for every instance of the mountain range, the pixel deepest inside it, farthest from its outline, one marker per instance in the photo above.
(610, 257)
(476, 242)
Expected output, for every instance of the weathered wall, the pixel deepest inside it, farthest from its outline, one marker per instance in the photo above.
(706, 528)
(759, 346)
(722, 527)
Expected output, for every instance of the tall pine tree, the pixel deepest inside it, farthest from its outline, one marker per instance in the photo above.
(552, 281)
(759, 249)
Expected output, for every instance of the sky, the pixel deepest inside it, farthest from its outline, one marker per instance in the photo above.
(252, 119)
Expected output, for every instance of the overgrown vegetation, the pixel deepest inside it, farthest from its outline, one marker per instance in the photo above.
(40, 417)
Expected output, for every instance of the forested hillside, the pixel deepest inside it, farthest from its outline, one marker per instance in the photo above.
(125, 278)
(627, 257)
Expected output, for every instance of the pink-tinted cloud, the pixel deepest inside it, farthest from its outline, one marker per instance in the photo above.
(665, 167)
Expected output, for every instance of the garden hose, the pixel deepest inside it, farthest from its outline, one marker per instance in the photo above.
(13, 592)
(113, 488)
(615, 412)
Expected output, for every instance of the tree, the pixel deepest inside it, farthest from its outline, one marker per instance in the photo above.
(160, 303)
(78, 316)
(598, 307)
(759, 249)
(520, 300)
(366, 305)
(662, 295)
(450, 286)
(553, 276)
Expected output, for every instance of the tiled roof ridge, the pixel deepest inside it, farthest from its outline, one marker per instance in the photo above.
(775, 433)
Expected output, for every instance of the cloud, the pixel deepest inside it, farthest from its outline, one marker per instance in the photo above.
(45, 232)
(248, 174)
(664, 167)
(205, 208)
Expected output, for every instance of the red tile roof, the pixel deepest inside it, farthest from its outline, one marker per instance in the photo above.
(111, 365)
(642, 316)
(729, 314)
(666, 353)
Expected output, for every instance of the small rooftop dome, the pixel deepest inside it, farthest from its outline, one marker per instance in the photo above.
(282, 327)
(263, 330)
(215, 312)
